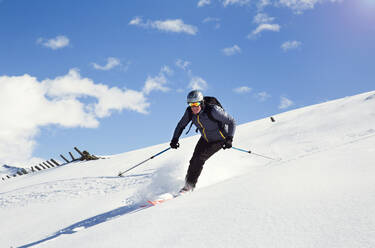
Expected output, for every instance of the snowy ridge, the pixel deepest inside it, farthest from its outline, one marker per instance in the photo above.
(320, 194)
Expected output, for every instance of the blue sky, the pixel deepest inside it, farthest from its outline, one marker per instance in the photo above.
(112, 76)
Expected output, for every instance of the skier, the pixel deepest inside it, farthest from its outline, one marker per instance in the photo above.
(216, 127)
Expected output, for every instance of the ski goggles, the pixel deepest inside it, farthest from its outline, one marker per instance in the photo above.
(194, 104)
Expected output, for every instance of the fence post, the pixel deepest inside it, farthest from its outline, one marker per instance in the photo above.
(53, 161)
(64, 158)
(46, 165)
(80, 153)
(72, 156)
(50, 164)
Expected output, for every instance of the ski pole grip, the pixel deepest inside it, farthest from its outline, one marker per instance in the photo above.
(242, 150)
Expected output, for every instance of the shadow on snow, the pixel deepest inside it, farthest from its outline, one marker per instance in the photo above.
(95, 220)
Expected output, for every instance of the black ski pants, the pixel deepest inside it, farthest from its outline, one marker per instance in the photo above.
(203, 151)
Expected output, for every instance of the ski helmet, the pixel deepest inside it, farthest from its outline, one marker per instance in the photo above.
(195, 96)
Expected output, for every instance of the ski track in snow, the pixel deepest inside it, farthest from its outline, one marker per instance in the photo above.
(72, 188)
(316, 150)
(90, 186)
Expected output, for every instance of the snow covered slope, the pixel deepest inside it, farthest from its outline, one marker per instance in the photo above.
(321, 193)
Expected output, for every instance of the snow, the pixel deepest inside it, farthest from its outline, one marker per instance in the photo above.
(8, 170)
(320, 194)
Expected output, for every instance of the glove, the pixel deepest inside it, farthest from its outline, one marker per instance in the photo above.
(174, 144)
(228, 142)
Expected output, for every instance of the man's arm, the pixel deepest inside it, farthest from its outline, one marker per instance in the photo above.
(182, 124)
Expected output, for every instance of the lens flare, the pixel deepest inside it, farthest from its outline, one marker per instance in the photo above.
(367, 8)
(368, 4)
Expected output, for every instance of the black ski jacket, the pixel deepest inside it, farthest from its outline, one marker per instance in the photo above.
(216, 128)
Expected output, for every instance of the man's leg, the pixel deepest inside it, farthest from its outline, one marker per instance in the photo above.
(202, 152)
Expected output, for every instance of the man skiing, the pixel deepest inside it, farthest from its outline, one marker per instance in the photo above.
(216, 127)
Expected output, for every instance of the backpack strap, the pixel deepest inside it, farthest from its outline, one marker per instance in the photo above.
(209, 114)
(189, 128)
(190, 117)
(208, 110)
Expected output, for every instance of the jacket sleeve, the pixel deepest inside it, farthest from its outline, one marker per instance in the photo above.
(222, 116)
(181, 125)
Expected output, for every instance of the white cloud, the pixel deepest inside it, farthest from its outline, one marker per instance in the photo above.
(166, 69)
(73, 86)
(27, 104)
(111, 63)
(263, 18)
(59, 42)
(262, 96)
(242, 89)
(264, 22)
(285, 103)
(198, 83)
(183, 64)
(175, 26)
(155, 84)
(136, 21)
(299, 6)
(290, 45)
(264, 27)
(229, 51)
(202, 3)
(158, 82)
(263, 3)
(235, 2)
(267, 27)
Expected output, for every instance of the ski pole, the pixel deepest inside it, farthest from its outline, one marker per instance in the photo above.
(242, 150)
(122, 173)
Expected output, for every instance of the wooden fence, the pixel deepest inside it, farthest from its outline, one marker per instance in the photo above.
(83, 156)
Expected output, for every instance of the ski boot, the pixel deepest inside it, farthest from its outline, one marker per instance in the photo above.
(187, 188)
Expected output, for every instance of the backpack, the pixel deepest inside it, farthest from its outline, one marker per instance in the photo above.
(209, 101)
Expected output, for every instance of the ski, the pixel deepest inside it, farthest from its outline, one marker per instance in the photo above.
(164, 197)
